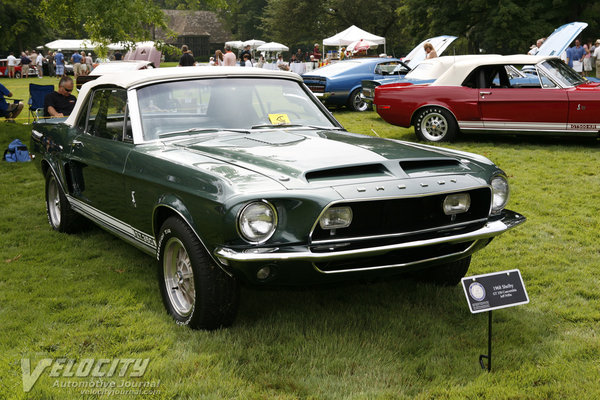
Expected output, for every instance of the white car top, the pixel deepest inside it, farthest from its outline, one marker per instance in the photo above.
(135, 78)
(458, 72)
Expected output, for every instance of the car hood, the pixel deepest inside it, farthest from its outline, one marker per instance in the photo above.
(417, 55)
(560, 39)
(300, 159)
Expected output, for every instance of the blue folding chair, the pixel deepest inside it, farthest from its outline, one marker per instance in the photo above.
(37, 94)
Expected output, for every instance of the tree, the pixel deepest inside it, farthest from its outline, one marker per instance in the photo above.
(105, 21)
(20, 28)
(244, 18)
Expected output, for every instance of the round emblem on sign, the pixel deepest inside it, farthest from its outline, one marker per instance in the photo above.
(477, 291)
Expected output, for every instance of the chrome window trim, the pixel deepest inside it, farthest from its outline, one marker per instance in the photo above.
(134, 114)
(331, 204)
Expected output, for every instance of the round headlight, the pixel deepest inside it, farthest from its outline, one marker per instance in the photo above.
(257, 221)
(499, 193)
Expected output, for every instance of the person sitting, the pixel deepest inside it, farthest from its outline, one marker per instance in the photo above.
(8, 111)
(60, 103)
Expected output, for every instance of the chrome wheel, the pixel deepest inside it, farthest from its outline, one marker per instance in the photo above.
(434, 126)
(54, 202)
(179, 277)
(357, 102)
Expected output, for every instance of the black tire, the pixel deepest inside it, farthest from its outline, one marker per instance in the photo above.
(448, 274)
(17, 74)
(61, 216)
(356, 102)
(195, 291)
(435, 124)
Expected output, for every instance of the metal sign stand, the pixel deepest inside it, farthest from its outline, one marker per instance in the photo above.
(489, 292)
(489, 354)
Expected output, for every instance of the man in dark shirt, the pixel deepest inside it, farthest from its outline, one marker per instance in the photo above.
(61, 102)
(8, 111)
(187, 59)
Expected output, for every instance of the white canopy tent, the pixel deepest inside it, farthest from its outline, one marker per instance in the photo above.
(353, 34)
(272, 46)
(235, 44)
(79, 44)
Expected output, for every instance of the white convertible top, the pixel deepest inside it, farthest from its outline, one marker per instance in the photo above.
(131, 78)
(458, 72)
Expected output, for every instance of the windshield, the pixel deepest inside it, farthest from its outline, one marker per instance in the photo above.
(203, 105)
(562, 73)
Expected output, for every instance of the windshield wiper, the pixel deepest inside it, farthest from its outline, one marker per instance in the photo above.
(200, 130)
(276, 126)
(295, 126)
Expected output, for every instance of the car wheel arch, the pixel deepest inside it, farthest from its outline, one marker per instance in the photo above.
(165, 209)
(418, 110)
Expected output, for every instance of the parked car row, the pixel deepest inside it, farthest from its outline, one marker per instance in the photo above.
(230, 176)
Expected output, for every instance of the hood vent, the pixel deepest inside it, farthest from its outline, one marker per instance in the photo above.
(355, 172)
(416, 168)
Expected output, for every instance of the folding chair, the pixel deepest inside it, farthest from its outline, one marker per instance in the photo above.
(37, 94)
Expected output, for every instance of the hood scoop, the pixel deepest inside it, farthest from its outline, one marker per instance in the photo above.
(426, 167)
(272, 138)
(354, 172)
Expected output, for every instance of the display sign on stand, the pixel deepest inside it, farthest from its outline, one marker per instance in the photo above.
(490, 292)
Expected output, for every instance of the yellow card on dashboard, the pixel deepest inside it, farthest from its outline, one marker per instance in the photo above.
(278, 119)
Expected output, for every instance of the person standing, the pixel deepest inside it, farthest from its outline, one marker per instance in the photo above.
(118, 56)
(59, 59)
(316, 52)
(187, 59)
(12, 63)
(247, 62)
(61, 102)
(76, 60)
(536, 47)
(246, 51)
(575, 57)
(429, 50)
(8, 111)
(50, 60)
(229, 58)
(596, 56)
(587, 58)
(89, 63)
(218, 58)
(25, 61)
(39, 65)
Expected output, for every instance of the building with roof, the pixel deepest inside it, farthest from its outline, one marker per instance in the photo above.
(201, 31)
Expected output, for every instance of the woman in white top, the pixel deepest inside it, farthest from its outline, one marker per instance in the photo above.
(429, 50)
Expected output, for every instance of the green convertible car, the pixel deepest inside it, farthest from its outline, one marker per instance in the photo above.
(239, 175)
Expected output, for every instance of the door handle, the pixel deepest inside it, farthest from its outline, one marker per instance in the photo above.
(77, 143)
(483, 94)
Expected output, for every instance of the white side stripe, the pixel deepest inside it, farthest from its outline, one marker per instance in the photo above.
(117, 226)
(528, 126)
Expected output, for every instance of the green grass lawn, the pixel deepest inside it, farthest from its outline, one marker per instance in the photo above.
(91, 295)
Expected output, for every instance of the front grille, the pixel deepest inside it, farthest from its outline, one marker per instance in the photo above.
(402, 216)
(396, 257)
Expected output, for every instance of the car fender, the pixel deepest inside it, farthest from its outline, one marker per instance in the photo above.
(176, 206)
(427, 105)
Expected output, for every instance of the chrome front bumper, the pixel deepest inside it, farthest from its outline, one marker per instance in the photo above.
(508, 220)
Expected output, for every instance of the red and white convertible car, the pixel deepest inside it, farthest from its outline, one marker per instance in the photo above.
(481, 94)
